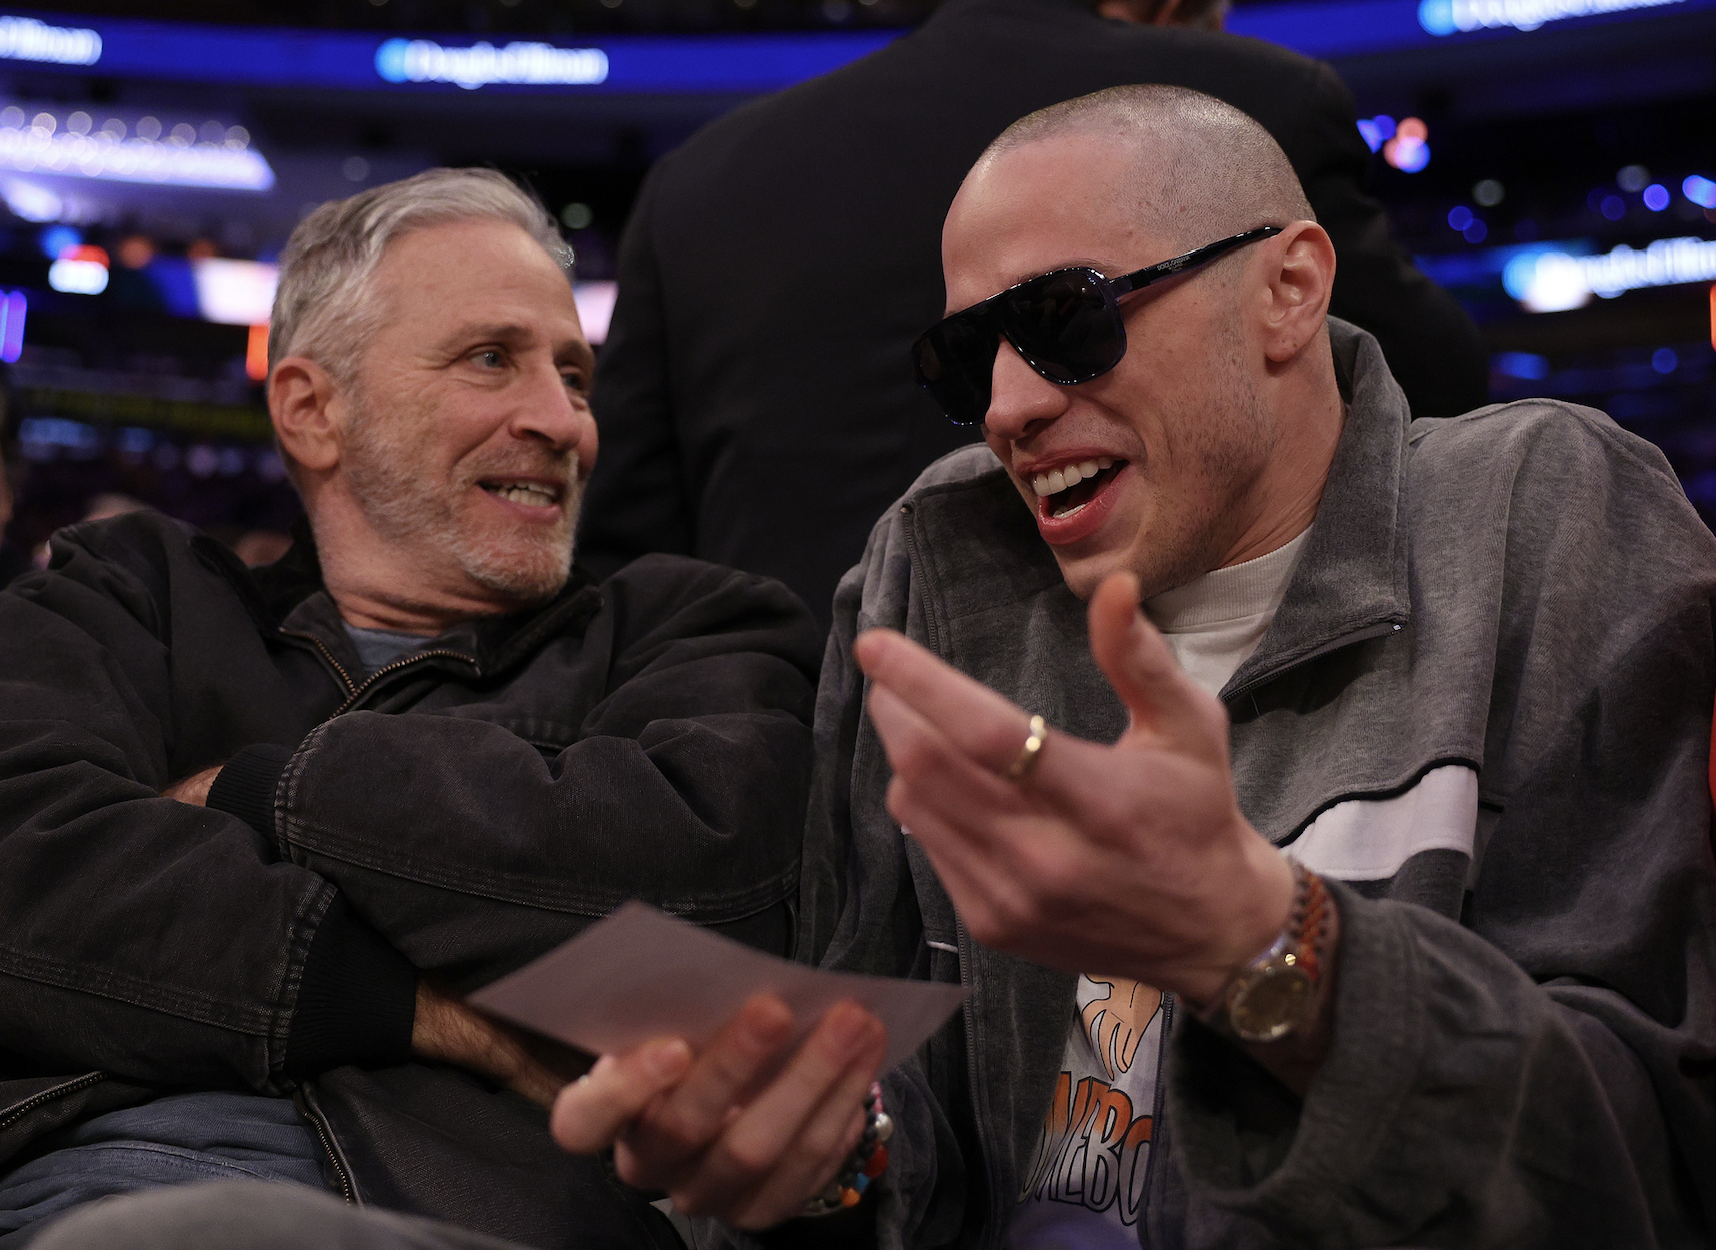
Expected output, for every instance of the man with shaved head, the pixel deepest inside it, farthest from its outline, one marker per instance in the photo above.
(1312, 799)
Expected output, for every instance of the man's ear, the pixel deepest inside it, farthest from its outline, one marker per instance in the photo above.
(306, 407)
(1297, 302)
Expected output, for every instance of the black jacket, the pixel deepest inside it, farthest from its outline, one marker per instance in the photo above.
(458, 813)
(755, 394)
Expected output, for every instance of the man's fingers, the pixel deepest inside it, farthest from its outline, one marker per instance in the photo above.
(938, 771)
(685, 1121)
(777, 1151)
(817, 1155)
(973, 717)
(1163, 702)
(590, 1112)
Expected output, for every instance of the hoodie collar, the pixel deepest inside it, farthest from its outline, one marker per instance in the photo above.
(1351, 581)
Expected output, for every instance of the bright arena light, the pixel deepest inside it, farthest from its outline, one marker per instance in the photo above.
(518, 63)
(1445, 17)
(595, 302)
(1409, 150)
(14, 308)
(30, 202)
(1551, 281)
(235, 292)
(80, 270)
(26, 39)
(45, 145)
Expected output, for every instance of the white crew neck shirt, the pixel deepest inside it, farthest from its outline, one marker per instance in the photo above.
(1086, 1184)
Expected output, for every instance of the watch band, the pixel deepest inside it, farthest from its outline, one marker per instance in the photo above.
(1277, 991)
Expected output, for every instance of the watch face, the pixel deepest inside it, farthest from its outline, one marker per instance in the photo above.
(1270, 1003)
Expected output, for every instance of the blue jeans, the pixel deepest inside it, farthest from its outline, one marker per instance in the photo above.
(170, 1141)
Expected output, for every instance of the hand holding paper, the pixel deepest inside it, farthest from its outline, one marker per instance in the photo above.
(729, 1078)
(640, 974)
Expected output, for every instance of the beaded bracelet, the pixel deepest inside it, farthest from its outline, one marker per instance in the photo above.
(866, 1162)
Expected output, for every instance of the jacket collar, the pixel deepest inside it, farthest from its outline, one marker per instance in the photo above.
(1351, 581)
(290, 595)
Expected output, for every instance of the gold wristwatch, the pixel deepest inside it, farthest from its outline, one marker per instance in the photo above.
(1277, 992)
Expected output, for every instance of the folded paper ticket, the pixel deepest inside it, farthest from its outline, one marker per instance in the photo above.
(640, 974)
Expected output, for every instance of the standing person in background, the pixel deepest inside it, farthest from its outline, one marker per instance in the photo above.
(757, 400)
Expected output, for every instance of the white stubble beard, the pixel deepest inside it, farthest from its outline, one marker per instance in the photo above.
(404, 505)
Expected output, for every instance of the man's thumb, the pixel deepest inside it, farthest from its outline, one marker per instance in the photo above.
(1134, 656)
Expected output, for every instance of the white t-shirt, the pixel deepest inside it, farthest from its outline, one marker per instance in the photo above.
(1085, 1186)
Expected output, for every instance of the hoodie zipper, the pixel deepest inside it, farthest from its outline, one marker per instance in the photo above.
(1158, 1129)
(1381, 629)
(997, 1200)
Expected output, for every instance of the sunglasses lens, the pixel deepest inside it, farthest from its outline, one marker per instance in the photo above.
(1065, 327)
(1063, 324)
(954, 362)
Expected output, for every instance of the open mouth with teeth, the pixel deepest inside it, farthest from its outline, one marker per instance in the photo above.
(1064, 491)
(531, 494)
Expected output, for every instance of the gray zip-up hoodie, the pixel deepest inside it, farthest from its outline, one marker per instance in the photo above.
(1483, 709)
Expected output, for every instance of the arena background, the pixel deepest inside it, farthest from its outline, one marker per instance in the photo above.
(1552, 162)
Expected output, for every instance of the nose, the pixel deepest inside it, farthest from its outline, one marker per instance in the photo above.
(552, 413)
(1022, 401)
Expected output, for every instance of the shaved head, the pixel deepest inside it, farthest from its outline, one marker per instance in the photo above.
(1207, 444)
(1197, 169)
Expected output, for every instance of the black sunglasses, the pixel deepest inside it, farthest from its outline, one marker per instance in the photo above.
(1066, 325)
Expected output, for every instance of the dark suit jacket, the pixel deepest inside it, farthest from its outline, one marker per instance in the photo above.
(755, 395)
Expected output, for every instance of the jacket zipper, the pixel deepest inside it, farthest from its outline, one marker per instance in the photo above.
(336, 1158)
(407, 662)
(48, 1095)
(355, 690)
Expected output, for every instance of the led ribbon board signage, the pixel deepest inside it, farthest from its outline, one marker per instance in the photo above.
(1444, 17)
(679, 64)
(26, 39)
(1551, 280)
(636, 64)
(523, 64)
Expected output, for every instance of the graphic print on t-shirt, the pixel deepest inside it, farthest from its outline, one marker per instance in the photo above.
(1094, 1152)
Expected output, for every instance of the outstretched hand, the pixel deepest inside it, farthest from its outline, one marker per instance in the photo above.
(700, 1127)
(1130, 860)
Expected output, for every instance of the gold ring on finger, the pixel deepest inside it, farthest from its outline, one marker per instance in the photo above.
(1021, 767)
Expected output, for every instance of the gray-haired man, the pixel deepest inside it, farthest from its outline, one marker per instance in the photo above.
(257, 831)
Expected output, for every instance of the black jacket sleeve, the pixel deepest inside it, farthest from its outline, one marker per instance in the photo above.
(157, 940)
(473, 848)
(637, 500)
(1431, 345)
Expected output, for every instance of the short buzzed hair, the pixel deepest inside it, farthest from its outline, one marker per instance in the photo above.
(1204, 169)
(325, 308)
